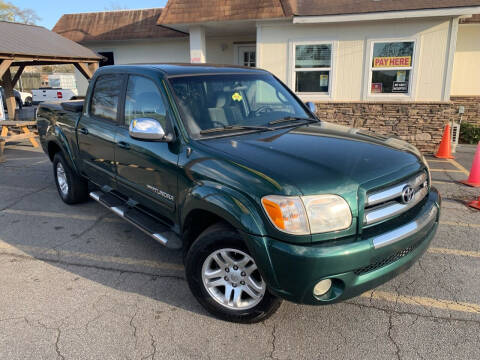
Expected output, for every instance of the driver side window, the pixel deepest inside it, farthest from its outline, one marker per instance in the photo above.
(144, 100)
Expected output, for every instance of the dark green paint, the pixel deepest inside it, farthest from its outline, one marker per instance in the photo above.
(228, 176)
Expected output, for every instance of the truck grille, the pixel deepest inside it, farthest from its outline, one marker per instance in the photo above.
(386, 261)
(395, 200)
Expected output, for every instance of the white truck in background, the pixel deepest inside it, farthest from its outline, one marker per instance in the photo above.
(52, 94)
(61, 87)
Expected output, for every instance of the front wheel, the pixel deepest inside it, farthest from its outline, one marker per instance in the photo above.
(225, 279)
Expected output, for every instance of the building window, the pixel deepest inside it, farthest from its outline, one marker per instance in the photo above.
(313, 68)
(392, 67)
(108, 58)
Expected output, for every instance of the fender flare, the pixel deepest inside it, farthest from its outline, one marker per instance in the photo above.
(226, 203)
(58, 138)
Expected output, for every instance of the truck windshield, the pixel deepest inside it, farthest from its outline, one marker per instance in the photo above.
(211, 104)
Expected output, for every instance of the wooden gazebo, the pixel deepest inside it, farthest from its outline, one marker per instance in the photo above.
(28, 45)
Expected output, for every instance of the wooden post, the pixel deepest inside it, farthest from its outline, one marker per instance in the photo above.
(17, 75)
(9, 95)
(84, 69)
(4, 65)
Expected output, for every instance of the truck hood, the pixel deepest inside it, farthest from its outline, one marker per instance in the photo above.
(321, 158)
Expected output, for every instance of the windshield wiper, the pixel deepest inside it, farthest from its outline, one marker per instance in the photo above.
(234, 128)
(291, 119)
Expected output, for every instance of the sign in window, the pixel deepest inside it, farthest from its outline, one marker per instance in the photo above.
(392, 65)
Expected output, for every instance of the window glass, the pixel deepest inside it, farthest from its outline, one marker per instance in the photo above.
(313, 68)
(313, 56)
(392, 65)
(143, 100)
(105, 97)
(216, 101)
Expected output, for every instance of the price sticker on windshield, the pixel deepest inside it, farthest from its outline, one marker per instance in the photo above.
(237, 97)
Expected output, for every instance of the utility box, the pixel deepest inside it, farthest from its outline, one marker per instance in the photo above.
(455, 135)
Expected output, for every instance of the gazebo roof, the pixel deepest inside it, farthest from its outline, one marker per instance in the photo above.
(29, 42)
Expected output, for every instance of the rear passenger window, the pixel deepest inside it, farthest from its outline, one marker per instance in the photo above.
(106, 95)
(143, 100)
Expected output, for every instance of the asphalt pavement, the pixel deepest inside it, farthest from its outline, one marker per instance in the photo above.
(77, 282)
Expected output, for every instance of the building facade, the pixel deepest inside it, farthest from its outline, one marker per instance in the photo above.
(404, 68)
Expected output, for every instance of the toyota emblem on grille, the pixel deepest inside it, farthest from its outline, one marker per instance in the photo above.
(407, 194)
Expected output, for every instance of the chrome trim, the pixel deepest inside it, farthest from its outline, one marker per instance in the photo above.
(95, 196)
(405, 230)
(160, 238)
(120, 211)
(395, 191)
(392, 208)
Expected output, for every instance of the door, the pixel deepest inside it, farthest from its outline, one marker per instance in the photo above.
(147, 170)
(97, 128)
(247, 55)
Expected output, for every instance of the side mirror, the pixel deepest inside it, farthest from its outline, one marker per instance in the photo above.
(147, 129)
(312, 107)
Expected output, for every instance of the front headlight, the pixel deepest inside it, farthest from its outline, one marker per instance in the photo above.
(308, 214)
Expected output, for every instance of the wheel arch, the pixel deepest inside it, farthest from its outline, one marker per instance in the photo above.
(207, 204)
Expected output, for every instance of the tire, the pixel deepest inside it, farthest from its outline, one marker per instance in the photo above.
(28, 101)
(217, 240)
(76, 189)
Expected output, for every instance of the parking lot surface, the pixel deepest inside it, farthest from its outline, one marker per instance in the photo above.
(76, 282)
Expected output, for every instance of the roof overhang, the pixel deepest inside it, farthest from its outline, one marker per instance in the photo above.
(387, 15)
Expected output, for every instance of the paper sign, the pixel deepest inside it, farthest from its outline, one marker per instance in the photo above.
(2, 113)
(401, 75)
(392, 61)
(323, 80)
(400, 87)
(377, 88)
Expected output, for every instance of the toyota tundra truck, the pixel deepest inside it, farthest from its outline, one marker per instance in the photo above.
(267, 201)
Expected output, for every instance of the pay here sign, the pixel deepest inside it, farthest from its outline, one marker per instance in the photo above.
(392, 61)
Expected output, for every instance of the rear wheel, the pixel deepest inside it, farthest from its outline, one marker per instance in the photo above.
(225, 279)
(71, 187)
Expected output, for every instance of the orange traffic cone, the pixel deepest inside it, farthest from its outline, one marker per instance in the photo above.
(445, 151)
(474, 178)
(475, 204)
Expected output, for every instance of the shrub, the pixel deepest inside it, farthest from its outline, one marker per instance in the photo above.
(469, 134)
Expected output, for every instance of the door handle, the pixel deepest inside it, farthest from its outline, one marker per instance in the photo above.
(84, 131)
(123, 145)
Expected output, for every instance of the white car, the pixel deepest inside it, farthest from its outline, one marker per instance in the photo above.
(26, 97)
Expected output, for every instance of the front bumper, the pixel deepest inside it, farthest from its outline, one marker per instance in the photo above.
(291, 271)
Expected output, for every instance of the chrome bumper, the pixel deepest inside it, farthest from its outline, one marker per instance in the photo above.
(406, 230)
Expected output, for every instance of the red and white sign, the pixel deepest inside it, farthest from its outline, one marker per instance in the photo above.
(392, 61)
(377, 88)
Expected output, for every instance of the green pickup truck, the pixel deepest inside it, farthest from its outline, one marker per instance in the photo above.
(266, 201)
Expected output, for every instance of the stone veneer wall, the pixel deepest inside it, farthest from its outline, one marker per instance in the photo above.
(472, 108)
(419, 123)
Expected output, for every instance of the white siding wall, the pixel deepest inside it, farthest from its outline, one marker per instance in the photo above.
(466, 68)
(131, 52)
(351, 66)
(220, 50)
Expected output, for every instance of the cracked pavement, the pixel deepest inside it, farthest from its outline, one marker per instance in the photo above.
(78, 283)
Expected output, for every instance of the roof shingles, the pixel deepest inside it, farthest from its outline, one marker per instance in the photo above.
(188, 11)
(29, 40)
(194, 11)
(114, 25)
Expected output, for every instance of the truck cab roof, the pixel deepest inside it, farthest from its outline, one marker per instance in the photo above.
(181, 69)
